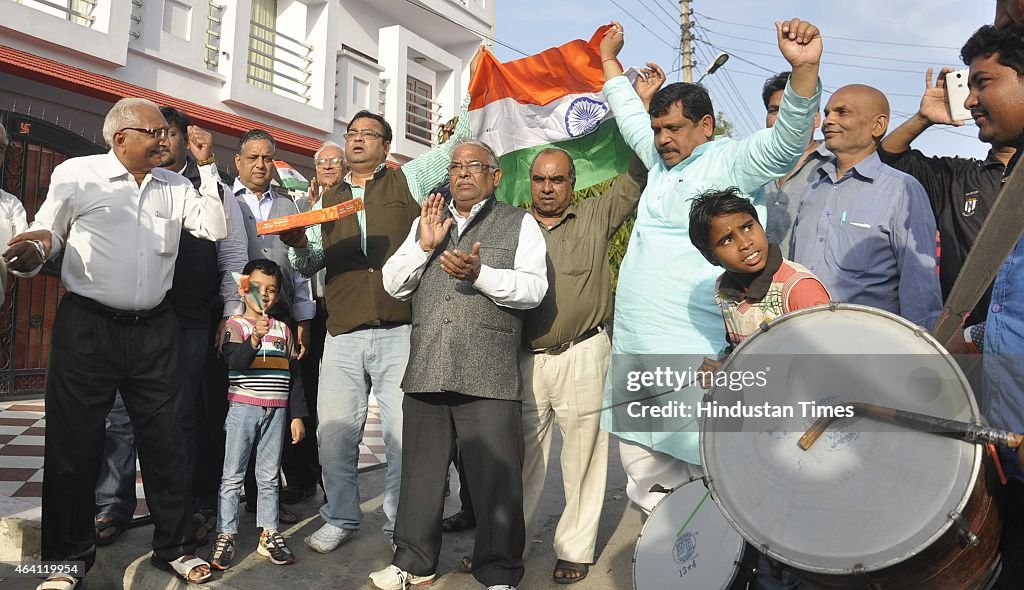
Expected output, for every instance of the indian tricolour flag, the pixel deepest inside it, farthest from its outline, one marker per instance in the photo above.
(290, 177)
(552, 99)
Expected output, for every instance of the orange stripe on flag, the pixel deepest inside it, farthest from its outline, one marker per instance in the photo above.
(573, 68)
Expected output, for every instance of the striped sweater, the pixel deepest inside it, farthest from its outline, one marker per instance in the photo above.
(264, 376)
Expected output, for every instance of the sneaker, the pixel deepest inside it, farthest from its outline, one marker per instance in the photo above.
(272, 546)
(393, 578)
(223, 551)
(328, 537)
(501, 587)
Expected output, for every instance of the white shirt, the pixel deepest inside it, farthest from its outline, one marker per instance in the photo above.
(121, 239)
(303, 308)
(520, 287)
(12, 215)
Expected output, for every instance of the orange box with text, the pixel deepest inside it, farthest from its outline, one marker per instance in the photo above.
(300, 220)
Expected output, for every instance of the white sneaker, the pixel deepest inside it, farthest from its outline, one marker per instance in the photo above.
(501, 587)
(393, 578)
(328, 537)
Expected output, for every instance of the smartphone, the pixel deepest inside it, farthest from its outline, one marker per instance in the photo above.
(956, 93)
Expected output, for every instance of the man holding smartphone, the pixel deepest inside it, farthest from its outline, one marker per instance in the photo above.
(961, 190)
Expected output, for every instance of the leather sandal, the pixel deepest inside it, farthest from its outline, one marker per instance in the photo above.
(566, 567)
(108, 531)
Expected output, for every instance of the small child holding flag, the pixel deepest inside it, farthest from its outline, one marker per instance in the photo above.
(264, 385)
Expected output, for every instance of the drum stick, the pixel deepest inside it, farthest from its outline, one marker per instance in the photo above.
(965, 431)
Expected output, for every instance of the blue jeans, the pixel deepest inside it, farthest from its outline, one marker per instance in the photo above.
(351, 365)
(245, 427)
(115, 486)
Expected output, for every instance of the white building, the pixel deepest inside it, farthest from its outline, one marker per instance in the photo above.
(297, 68)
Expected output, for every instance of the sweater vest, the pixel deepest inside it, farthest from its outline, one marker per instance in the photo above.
(354, 289)
(461, 340)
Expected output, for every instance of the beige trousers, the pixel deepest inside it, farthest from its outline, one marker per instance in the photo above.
(567, 390)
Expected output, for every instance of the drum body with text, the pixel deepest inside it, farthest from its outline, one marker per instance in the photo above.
(687, 543)
(869, 505)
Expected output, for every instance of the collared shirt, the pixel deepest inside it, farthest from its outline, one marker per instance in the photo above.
(870, 237)
(665, 299)
(961, 192)
(120, 239)
(782, 202)
(520, 287)
(579, 295)
(421, 173)
(12, 215)
(303, 308)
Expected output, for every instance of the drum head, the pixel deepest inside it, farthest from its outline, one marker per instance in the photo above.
(687, 543)
(865, 496)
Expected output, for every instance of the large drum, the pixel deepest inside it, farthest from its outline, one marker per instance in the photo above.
(687, 543)
(869, 505)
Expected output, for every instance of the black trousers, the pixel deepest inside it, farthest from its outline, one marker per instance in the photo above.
(211, 411)
(490, 434)
(92, 357)
(301, 462)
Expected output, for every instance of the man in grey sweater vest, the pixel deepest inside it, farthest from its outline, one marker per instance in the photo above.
(470, 269)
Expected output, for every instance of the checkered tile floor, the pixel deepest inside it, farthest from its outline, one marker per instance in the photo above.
(22, 429)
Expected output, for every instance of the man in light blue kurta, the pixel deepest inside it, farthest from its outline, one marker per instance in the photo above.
(665, 297)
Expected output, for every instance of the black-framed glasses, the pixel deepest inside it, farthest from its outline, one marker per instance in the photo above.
(322, 162)
(158, 133)
(474, 167)
(363, 134)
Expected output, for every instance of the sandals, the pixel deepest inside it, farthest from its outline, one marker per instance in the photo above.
(466, 565)
(183, 566)
(569, 566)
(108, 531)
(59, 582)
(459, 521)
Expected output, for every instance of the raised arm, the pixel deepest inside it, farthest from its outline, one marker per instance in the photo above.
(934, 110)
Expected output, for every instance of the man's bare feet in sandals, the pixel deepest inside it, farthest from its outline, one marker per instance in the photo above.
(189, 568)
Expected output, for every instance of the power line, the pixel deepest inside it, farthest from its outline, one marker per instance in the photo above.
(874, 41)
(673, 17)
(672, 29)
(630, 15)
(830, 52)
(824, 63)
(744, 109)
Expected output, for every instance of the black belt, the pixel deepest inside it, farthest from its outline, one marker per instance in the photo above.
(118, 315)
(379, 324)
(564, 347)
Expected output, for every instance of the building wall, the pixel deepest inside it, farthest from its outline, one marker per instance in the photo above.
(355, 54)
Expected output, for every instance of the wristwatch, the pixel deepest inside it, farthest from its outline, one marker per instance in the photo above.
(207, 161)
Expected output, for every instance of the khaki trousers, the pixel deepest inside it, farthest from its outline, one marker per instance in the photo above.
(567, 390)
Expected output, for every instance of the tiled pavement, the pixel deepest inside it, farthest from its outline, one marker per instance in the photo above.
(22, 428)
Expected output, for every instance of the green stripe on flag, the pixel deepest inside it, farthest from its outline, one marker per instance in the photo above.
(599, 155)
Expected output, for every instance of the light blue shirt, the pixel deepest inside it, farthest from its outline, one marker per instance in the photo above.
(665, 300)
(870, 238)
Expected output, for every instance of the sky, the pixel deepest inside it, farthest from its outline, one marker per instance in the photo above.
(887, 44)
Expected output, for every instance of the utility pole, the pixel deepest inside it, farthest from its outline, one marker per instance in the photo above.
(684, 12)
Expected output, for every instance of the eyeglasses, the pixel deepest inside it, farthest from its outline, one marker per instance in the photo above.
(158, 133)
(474, 167)
(363, 134)
(323, 162)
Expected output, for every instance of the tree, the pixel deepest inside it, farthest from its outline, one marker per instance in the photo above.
(723, 126)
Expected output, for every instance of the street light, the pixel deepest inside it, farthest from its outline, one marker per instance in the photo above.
(720, 60)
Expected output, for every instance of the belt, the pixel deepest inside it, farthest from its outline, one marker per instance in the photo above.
(118, 315)
(554, 350)
(378, 324)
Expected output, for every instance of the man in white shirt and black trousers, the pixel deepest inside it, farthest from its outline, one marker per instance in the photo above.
(117, 217)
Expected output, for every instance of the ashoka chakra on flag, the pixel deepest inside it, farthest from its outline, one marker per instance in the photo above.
(584, 115)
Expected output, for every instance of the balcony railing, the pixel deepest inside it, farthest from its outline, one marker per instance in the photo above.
(213, 26)
(422, 117)
(76, 11)
(279, 63)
